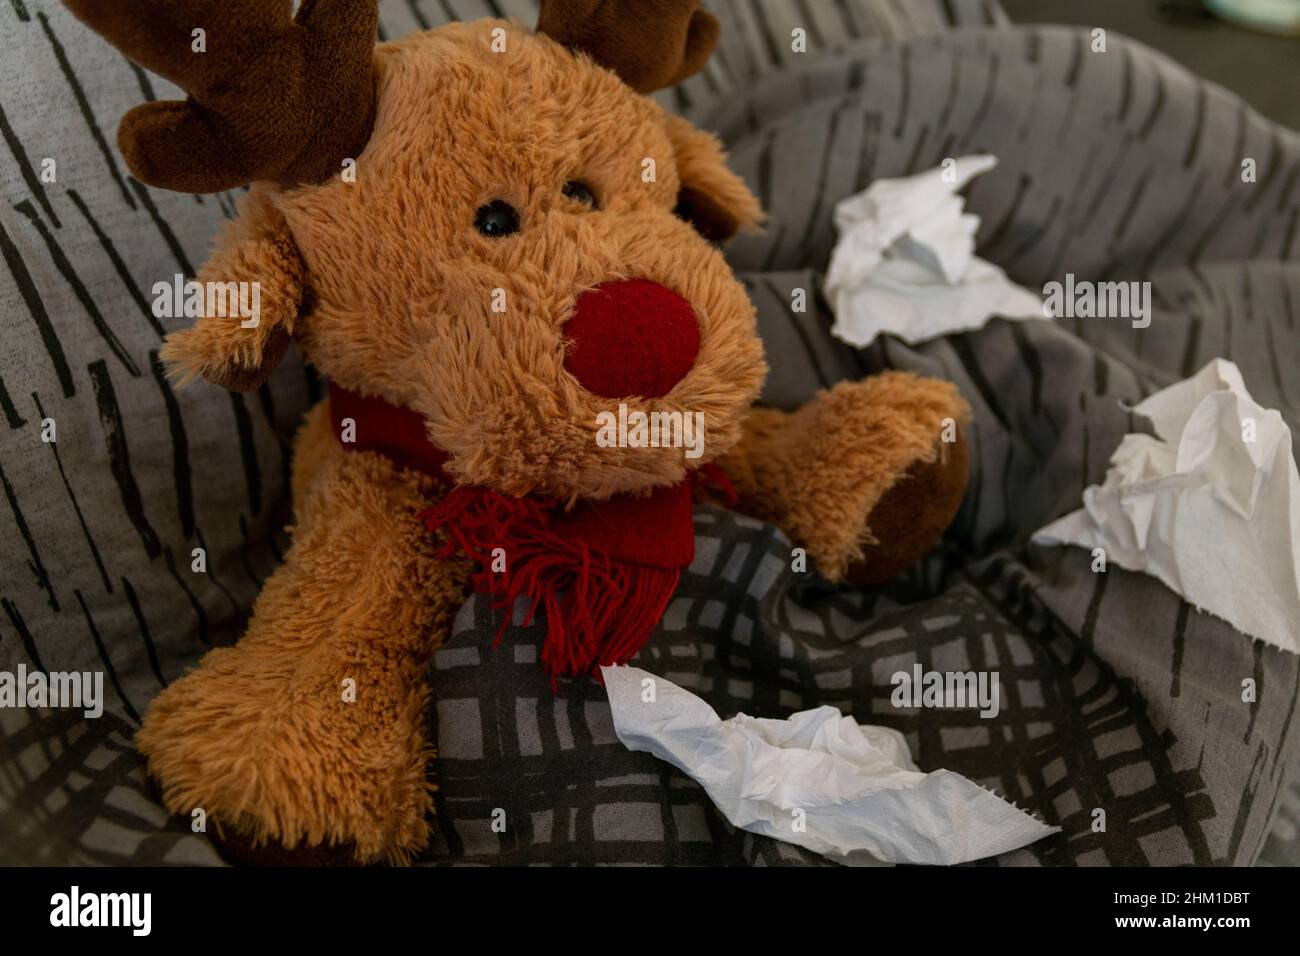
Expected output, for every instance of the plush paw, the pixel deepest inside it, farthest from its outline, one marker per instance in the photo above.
(865, 476)
(914, 513)
(885, 476)
(284, 768)
(309, 734)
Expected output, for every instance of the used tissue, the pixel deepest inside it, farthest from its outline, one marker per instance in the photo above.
(819, 779)
(905, 262)
(1210, 506)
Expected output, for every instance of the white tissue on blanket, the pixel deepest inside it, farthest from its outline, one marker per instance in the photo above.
(818, 779)
(905, 262)
(1211, 507)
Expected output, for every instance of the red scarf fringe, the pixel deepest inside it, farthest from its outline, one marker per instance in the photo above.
(600, 610)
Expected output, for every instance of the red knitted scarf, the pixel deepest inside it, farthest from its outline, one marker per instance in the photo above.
(603, 571)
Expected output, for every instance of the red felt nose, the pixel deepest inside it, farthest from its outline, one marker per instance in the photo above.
(631, 338)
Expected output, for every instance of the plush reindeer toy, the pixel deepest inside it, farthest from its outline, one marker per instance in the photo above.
(459, 231)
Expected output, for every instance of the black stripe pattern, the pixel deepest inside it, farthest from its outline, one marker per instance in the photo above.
(98, 526)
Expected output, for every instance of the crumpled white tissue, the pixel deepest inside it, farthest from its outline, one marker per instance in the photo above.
(1213, 515)
(905, 262)
(818, 779)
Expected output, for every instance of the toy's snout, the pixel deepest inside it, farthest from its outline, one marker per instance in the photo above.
(632, 337)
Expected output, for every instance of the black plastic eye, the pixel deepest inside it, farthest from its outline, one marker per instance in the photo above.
(497, 219)
(580, 192)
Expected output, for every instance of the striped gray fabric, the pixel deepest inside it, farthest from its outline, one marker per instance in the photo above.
(757, 36)
(98, 527)
(1111, 164)
(1105, 172)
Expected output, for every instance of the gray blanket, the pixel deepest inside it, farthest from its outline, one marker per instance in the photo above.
(1116, 695)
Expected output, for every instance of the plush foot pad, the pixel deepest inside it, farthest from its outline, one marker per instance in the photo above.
(912, 515)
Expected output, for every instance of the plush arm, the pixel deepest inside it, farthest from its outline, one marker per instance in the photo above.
(255, 248)
(866, 475)
(305, 741)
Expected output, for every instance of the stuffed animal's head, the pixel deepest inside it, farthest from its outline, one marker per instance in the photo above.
(493, 227)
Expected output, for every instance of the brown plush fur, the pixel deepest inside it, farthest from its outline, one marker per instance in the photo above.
(819, 472)
(712, 198)
(260, 735)
(388, 290)
(256, 247)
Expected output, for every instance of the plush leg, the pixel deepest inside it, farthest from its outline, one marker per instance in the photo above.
(866, 475)
(308, 735)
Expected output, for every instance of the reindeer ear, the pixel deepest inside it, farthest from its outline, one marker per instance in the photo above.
(258, 249)
(712, 198)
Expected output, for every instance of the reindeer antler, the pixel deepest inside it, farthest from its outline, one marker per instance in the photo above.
(271, 96)
(651, 44)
